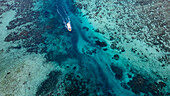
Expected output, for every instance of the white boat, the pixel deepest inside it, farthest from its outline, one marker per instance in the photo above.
(69, 26)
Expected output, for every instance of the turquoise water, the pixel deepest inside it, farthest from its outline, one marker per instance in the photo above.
(92, 67)
(40, 57)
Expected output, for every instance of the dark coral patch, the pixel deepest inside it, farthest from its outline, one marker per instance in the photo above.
(116, 57)
(113, 46)
(55, 56)
(161, 84)
(117, 71)
(49, 84)
(85, 28)
(29, 17)
(105, 49)
(75, 86)
(33, 49)
(96, 30)
(15, 36)
(140, 84)
(101, 43)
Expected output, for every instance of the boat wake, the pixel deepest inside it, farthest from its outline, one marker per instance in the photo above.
(65, 18)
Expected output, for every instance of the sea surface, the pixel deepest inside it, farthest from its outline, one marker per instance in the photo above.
(115, 48)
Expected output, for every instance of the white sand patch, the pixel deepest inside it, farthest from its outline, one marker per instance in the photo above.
(6, 18)
(25, 77)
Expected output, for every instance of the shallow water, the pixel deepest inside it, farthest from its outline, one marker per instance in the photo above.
(40, 57)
